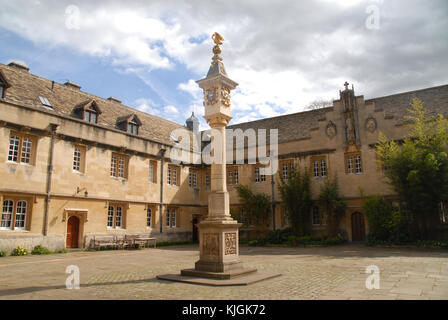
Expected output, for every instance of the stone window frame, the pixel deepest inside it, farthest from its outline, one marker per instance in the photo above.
(258, 177)
(232, 175)
(28, 214)
(169, 218)
(351, 164)
(207, 180)
(150, 210)
(322, 166)
(173, 179)
(152, 171)
(123, 216)
(285, 167)
(31, 154)
(193, 175)
(120, 167)
(321, 218)
(82, 159)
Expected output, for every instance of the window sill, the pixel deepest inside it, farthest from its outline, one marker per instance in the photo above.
(15, 230)
(119, 178)
(79, 172)
(21, 163)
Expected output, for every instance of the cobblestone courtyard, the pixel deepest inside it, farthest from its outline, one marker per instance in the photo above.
(307, 273)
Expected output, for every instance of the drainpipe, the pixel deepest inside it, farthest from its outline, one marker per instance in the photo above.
(273, 201)
(53, 128)
(162, 157)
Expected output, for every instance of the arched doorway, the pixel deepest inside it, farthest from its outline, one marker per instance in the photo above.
(72, 232)
(358, 227)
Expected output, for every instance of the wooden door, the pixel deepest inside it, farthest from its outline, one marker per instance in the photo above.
(358, 228)
(195, 230)
(72, 232)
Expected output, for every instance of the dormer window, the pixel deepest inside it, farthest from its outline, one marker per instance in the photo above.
(90, 116)
(3, 85)
(88, 111)
(129, 123)
(133, 128)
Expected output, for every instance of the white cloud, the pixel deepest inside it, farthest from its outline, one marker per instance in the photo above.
(283, 56)
(147, 105)
(171, 110)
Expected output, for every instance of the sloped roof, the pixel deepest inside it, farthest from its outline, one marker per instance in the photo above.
(26, 88)
(434, 99)
(297, 126)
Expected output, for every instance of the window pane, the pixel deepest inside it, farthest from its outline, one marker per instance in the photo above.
(358, 164)
(151, 172)
(195, 179)
(323, 168)
(77, 159)
(93, 117)
(235, 176)
(285, 171)
(118, 217)
(350, 165)
(316, 168)
(148, 217)
(21, 214)
(113, 166)
(175, 176)
(110, 217)
(26, 150)
(2, 90)
(8, 206)
(168, 178)
(173, 218)
(121, 167)
(14, 142)
(257, 175)
(230, 177)
(168, 217)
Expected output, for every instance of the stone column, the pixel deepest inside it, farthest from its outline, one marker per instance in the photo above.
(218, 233)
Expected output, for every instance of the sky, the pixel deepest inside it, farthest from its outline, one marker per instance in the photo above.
(283, 54)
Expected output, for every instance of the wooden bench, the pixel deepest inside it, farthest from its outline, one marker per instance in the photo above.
(105, 241)
(132, 240)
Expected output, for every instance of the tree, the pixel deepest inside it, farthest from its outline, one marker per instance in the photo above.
(296, 196)
(417, 169)
(257, 206)
(319, 104)
(333, 204)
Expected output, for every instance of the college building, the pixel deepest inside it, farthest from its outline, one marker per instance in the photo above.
(74, 166)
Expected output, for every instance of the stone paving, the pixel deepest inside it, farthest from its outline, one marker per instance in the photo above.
(307, 273)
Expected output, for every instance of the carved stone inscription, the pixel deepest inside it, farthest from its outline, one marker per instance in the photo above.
(230, 239)
(211, 244)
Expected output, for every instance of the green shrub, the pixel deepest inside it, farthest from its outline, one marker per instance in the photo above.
(61, 251)
(3, 253)
(386, 223)
(19, 251)
(40, 250)
(279, 236)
